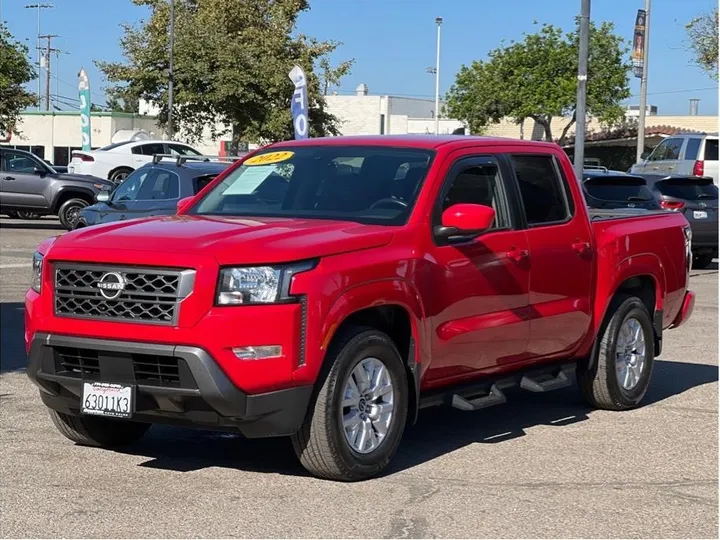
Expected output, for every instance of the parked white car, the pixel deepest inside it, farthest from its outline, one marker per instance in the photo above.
(116, 161)
(685, 154)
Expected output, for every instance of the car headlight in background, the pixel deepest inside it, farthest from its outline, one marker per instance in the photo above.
(37, 265)
(258, 284)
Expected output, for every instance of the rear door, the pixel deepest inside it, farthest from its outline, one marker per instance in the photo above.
(20, 184)
(122, 201)
(561, 255)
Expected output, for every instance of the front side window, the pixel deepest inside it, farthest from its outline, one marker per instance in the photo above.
(673, 149)
(355, 183)
(478, 184)
(129, 189)
(541, 189)
(659, 152)
(20, 163)
(159, 185)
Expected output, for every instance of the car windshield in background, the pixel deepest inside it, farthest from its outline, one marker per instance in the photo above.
(618, 190)
(688, 189)
(358, 183)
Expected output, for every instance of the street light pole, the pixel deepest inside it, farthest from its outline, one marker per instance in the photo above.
(643, 87)
(171, 74)
(38, 6)
(580, 108)
(438, 22)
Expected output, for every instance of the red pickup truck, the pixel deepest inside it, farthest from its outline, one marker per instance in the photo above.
(328, 289)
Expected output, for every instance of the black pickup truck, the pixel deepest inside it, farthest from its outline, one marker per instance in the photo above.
(29, 187)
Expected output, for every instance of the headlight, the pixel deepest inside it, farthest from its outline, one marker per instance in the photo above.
(37, 265)
(257, 284)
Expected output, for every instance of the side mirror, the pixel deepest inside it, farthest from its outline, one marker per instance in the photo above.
(103, 196)
(183, 204)
(39, 171)
(465, 220)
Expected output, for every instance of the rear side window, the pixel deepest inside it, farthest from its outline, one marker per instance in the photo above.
(617, 190)
(692, 148)
(541, 189)
(690, 190)
(711, 149)
(199, 182)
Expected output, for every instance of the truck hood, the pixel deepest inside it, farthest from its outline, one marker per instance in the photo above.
(83, 179)
(228, 240)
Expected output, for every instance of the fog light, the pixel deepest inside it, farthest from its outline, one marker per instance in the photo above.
(257, 353)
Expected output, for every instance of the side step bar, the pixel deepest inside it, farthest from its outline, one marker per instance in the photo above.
(490, 392)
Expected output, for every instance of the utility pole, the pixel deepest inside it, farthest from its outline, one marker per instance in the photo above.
(39, 7)
(171, 74)
(580, 108)
(643, 87)
(48, 51)
(438, 22)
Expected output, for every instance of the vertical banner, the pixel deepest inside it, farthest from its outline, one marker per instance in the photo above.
(638, 51)
(299, 103)
(84, 92)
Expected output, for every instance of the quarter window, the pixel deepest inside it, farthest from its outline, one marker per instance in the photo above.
(541, 189)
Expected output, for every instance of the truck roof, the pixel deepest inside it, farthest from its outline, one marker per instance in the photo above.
(411, 141)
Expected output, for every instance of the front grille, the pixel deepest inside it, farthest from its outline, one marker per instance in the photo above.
(81, 363)
(156, 370)
(144, 295)
(121, 367)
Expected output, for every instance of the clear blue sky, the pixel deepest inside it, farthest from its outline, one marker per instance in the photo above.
(393, 41)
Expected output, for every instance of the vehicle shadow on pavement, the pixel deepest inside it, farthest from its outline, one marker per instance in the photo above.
(12, 341)
(31, 225)
(438, 431)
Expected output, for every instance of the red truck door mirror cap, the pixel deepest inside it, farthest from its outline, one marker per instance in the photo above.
(468, 218)
(183, 203)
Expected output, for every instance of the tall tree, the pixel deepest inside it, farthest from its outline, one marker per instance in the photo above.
(537, 78)
(15, 71)
(702, 32)
(231, 64)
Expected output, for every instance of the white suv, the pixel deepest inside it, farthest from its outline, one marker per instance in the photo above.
(116, 161)
(685, 154)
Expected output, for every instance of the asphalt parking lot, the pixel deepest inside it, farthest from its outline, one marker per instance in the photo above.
(540, 466)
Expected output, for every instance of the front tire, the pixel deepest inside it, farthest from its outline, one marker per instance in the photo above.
(623, 358)
(354, 425)
(97, 431)
(69, 213)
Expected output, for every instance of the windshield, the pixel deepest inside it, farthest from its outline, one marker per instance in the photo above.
(358, 183)
(688, 189)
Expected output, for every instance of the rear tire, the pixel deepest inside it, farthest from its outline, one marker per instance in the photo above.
(702, 261)
(119, 175)
(605, 385)
(69, 213)
(323, 443)
(96, 431)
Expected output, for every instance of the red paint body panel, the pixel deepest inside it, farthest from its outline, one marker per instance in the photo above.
(497, 303)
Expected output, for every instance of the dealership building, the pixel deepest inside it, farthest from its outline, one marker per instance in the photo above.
(54, 135)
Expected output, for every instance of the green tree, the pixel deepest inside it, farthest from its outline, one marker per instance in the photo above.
(231, 64)
(702, 32)
(119, 104)
(15, 71)
(537, 78)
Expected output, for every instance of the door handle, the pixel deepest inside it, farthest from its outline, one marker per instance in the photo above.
(517, 255)
(8, 178)
(581, 247)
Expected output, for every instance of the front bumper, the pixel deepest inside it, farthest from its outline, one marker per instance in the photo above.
(188, 388)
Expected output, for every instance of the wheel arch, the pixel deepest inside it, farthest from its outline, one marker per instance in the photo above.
(65, 194)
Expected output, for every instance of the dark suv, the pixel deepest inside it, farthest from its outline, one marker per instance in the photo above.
(30, 187)
(153, 189)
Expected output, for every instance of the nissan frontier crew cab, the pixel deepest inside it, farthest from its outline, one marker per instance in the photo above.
(328, 289)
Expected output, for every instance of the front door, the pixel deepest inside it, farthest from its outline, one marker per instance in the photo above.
(561, 256)
(478, 294)
(23, 181)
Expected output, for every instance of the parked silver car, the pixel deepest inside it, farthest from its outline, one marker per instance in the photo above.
(694, 154)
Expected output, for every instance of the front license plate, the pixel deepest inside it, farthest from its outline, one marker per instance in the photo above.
(107, 399)
(699, 214)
